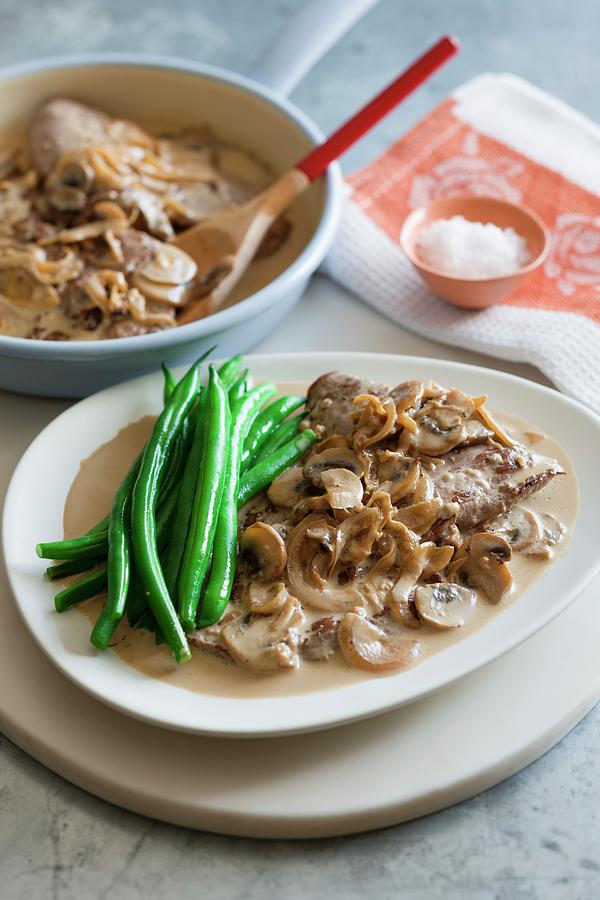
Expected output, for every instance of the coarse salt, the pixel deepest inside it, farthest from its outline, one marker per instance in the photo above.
(467, 249)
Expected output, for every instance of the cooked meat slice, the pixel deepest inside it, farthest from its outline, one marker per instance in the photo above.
(484, 483)
(209, 640)
(129, 328)
(321, 642)
(59, 125)
(330, 401)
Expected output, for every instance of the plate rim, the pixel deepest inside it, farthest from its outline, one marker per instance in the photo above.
(360, 709)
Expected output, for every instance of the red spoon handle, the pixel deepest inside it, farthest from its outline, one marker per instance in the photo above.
(315, 163)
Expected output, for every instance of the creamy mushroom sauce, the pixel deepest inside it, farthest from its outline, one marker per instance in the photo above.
(88, 206)
(90, 497)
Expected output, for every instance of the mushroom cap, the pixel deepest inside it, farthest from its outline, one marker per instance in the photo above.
(332, 458)
(369, 646)
(266, 643)
(264, 599)
(315, 547)
(445, 605)
(288, 488)
(343, 488)
(167, 275)
(484, 565)
(440, 428)
(263, 550)
(420, 516)
(399, 474)
(519, 526)
(407, 395)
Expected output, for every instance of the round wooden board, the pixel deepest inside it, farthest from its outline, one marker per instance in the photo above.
(377, 772)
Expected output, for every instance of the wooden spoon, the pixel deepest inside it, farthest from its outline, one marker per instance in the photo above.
(224, 244)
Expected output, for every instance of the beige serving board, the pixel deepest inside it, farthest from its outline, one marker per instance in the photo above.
(378, 772)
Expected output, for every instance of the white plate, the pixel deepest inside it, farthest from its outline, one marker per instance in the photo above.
(34, 508)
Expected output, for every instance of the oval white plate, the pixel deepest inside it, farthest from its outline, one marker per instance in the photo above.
(34, 509)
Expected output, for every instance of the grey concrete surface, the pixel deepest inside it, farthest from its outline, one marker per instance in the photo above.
(535, 837)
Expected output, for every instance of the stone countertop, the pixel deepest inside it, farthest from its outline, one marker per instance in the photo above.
(536, 835)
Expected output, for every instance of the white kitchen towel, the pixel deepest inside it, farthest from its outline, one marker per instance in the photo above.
(497, 135)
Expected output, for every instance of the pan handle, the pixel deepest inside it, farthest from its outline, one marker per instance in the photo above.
(304, 38)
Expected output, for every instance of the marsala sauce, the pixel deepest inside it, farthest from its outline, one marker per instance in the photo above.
(90, 497)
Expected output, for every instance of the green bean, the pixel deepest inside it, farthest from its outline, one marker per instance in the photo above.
(92, 544)
(222, 572)
(238, 388)
(80, 590)
(282, 434)
(73, 567)
(137, 601)
(207, 500)
(229, 371)
(119, 562)
(144, 501)
(185, 502)
(102, 525)
(176, 462)
(190, 462)
(263, 473)
(170, 382)
(78, 548)
(264, 425)
(88, 546)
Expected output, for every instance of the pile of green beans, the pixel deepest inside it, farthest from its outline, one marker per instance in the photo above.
(166, 553)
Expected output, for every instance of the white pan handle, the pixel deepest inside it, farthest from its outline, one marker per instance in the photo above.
(305, 37)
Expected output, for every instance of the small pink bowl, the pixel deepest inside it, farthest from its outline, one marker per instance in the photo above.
(476, 293)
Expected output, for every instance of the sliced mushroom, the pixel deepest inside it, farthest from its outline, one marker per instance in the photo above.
(263, 551)
(440, 428)
(529, 532)
(356, 536)
(265, 599)
(313, 549)
(369, 646)
(419, 560)
(407, 395)
(343, 488)
(400, 596)
(332, 458)
(334, 440)
(437, 558)
(419, 517)
(167, 276)
(399, 474)
(519, 526)
(484, 565)
(266, 643)
(462, 401)
(445, 605)
(425, 489)
(288, 488)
